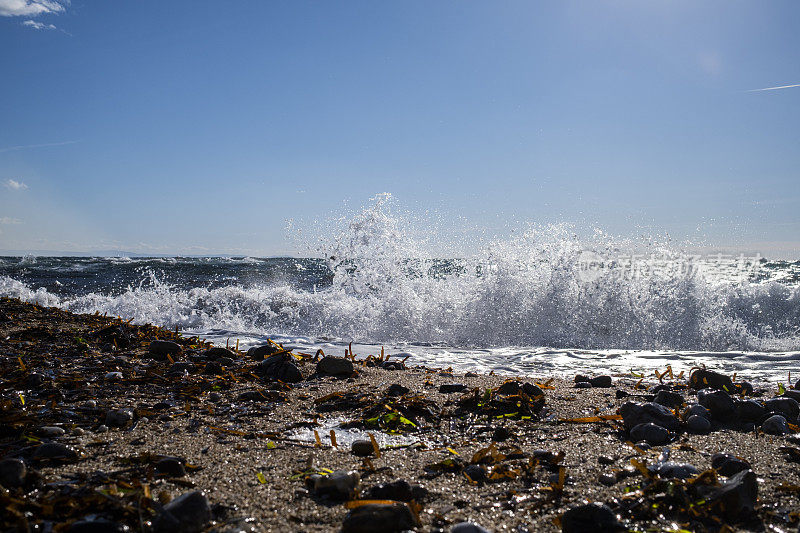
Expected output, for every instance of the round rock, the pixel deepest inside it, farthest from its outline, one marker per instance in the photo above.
(775, 425)
(651, 433)
(595, 517)
(335, 366)
(12, 473)
(698, 424)
(362, 448)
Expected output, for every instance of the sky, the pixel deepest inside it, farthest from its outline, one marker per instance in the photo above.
(203, 127)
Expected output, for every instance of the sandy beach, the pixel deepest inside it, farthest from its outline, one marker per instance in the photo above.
(104, 429)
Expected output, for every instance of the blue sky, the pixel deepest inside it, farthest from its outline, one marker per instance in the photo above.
(201, 127)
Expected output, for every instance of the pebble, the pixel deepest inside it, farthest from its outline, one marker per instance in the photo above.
(698, 424)
(607, 479)
(171, 466)
(467, 527)
(719, 404)
(12, 473)
(501, 434)
(389, 518)
(651, 433)
(362, 448)
(102, 428)
(113, 376)
(775, 425)
(258, 353)
(603, 382)
(217, 352)
(534, 391)
(737, 495)
(399, 490)
(594, 517)
(335, 366)
(340, 485)
(634, 414)
(181, 367)
(214, 397)
(787, 407)
(119, 417)
(695, 409)
(672, 470)
(51, 432)
(702, 379)
(643, 445)
(395, 389)
(188, 513)
(605, 460)
(161, 349)
(728, 465)
(54, 450)
(509, 388)
(793, 394)
(448, 388)
(476, 473)
(583, 385)
(89, 404)
(281, 368)
(750, 410)
(668, 398)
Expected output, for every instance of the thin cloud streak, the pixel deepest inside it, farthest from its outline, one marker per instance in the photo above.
(773, 88)
(26, 146)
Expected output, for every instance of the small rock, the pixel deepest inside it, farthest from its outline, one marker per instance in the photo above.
(476, 473)
(113, 376)
(580, 378)
(335, 366)
(171, 466)
(51, 432)
(668, 398)
(362, 448)
(181, 367)
(591, 517)
(102, 428)
(448, 388)
(54, 450)
(400, 490)
(395, 389)
(392, 365)
(160, 349)
(775, 425)
(258, 353)
(793, 394)
(226, 362)
(583, 385)
(340, 485)
(670, 470)
(501, 434)
(698, 424)
(281, 368)
(12, 473)
(605, 460)
(651, 433)
(703, 379)
(728, 465)
(695, 410)
(787, 407)
(212, 368)
(119, 417)
(188, 513)
(750, 410)
(607, 479)
(213, 354)
(643, 445)
(214, 397)
(534, 391)
(719, 404)
(737, 496)
(509, 388)
(370, 518)
(467, 527)
(601, 382)
(634, 414)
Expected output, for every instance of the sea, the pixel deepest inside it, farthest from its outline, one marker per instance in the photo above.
(540, 302)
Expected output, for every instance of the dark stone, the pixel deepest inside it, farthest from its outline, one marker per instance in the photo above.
(362, 448)
(619, 394)
(160, 349)
(226, 361)
(534, 391)
(395, 389)
(119, 417)
(698, 424)
(400, 490)
(340, 485)
(634, 414)
(50, 432)
(705, 379)
(793, 394)
(54, 450)
(188, 513)
(750, 410)
(171, 466)
(258, 353)
(590, 518)
(501, 434)
(467, 527)
(696, 409)
(727, 464)
(181, 368)
(335, 366)
(212, 368)
(393, 365)
(509, 388)
(476, 473)
(787, 407)
(583, 385)
(670, 470)
(775, 425)
(580, 378)
(448, 388)
(668, 398)
(603, 382)
(212, 354)
(651, 433)
(97, 526)
(719, 404)
(737, 496)
(371, 518)
(12, 473)
(280, 367)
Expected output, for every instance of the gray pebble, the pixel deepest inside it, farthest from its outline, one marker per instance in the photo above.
(775, 425)
(698, 424)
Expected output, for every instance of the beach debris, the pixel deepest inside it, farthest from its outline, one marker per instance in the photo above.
(597, 381)
(737, 496)
(510, 400)
(171, 466)
(595, 516)
(338, 485)
(395, 389)
(216, 353)
(188, 513)
(391, 517)
(727, 464)
(55, 451)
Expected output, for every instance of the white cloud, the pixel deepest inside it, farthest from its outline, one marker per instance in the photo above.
(8, 221)
(15, 185)
(38, 25)
(20, 8)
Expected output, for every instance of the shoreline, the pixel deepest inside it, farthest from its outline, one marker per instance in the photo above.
(101, 418)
